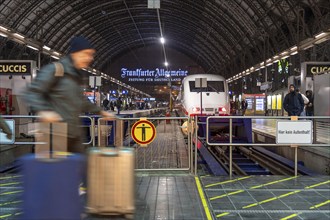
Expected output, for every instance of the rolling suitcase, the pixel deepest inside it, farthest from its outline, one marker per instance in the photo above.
(110, 172)
(51, 185)
(110, 181)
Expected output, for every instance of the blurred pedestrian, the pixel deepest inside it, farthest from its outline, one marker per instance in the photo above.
(59, 97)
(293, 102)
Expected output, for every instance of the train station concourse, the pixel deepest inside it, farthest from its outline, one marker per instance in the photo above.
(164, 110)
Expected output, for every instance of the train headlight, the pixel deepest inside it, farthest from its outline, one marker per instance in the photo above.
(222, 109)
(196, 109)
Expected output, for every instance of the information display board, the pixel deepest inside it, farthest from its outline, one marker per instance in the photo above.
(250, 103)
(260, 104)
(3, 136)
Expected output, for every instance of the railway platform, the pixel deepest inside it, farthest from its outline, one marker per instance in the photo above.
(166, 187)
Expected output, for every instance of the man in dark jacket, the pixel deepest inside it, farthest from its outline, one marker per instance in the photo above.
(56, 98)
(293, 102)
(105, 104)
(118, 104)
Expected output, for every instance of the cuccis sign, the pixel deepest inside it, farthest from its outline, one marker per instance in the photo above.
(313, 69)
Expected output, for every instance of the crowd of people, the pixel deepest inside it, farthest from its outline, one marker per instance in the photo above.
(298, 104)
(119, 105)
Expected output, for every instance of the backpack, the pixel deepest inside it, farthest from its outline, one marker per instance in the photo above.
(59, 69)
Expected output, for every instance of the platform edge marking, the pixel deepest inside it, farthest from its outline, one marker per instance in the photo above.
(203, 199)
(320, 204)
(222, 214)
(227, 181)
(290, 216)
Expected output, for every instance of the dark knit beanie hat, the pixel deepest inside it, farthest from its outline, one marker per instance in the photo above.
(79, 43)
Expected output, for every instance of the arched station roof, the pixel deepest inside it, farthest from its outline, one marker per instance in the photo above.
(220, 35)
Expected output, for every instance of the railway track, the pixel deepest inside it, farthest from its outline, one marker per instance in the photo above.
(249, 161)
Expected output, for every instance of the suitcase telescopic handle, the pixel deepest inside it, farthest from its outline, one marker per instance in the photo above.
(109, 154)
(51, 140)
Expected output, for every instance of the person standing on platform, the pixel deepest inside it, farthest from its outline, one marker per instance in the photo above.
(309, 106)
(244, 106)
(118, 104)
(293, 102)
(112, 107)
(303, 113)
(60, 98)
(105, 104)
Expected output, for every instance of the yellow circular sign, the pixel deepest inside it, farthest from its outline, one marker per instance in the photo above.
(143, 132)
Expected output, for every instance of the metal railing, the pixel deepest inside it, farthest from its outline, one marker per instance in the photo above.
(92, 121)
(168, 151)
(231, 144)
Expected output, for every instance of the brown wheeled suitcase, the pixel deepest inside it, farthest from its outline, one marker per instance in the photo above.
(110, 173)
(44, 132)
(110, 182)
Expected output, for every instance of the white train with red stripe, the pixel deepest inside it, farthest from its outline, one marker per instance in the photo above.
(215, 98)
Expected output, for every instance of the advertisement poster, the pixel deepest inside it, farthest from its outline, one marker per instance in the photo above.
(279, 102)
(259, 104)
(250, 103)
(273, 102)
(269, 102)
(6, 101)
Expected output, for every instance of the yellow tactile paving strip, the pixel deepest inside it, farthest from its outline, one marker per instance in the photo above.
(318, 188)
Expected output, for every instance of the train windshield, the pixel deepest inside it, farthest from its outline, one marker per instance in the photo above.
(212, 86)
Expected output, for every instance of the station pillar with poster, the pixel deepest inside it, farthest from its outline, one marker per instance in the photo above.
(14, 77)
(256, 104)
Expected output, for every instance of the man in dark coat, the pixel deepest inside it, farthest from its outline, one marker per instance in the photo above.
(105, 104)
(293, 102)
(56, 98)
(118, 104)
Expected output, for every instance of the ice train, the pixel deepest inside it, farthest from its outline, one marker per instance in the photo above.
(215, 97)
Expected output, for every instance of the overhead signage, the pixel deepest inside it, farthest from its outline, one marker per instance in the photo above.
(95, 81)
(313, 69)
(143, 132)
(16, 67)
(294, 132)
(153, 75)
(3, 137)
(266, 85)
